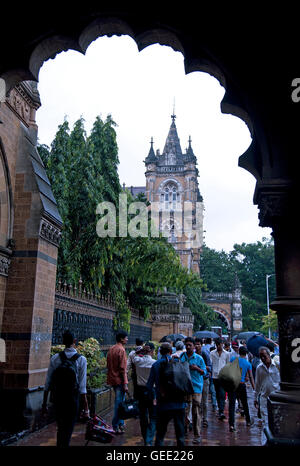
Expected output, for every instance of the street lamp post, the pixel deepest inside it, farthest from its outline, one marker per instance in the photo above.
(267, 286)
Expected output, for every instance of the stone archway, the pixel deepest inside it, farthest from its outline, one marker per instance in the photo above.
(262, 99)
(226, 305)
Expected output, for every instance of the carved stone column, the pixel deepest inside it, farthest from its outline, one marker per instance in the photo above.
(237, 322)
(277, 210)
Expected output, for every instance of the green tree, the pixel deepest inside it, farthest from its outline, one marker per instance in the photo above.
(217, 270)
(270, 321)
(253, 262)
(44, 152)
(56, 164)
(103, 148)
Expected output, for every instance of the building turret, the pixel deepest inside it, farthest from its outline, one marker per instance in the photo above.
(151, 157)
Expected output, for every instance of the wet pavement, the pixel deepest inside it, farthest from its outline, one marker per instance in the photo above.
(216, 434)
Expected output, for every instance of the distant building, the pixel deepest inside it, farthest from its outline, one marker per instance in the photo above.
(172, 180)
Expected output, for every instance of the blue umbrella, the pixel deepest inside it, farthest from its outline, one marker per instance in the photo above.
(206, 334)
(246, 335)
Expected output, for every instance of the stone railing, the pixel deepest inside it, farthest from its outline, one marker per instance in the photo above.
(79, 292)
(89, 314)
(183, 318)
(217, 296)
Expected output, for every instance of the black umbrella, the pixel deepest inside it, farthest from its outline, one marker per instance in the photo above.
(246, 335)
(173, 337)
(206, 334)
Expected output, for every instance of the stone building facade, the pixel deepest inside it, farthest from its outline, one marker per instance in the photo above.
(29, 238)
(172, 188)
(176, 205)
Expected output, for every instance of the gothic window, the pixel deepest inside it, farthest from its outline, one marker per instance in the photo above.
(170, 198)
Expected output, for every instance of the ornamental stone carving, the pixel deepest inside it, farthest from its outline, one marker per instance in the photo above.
(18, 103)
(24, 100)
(49, 232)
(4, 265)
(272, 206)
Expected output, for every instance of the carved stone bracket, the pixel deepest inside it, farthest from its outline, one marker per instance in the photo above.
(49, 232)
(4, 265)
(273, 206)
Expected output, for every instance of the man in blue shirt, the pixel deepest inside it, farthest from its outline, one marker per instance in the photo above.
(166, 409)
(241, 391)
(206, 381)
(197, 370)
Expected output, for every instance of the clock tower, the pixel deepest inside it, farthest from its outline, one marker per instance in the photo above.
(172, 186)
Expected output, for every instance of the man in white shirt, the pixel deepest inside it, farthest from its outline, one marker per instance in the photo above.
(66, 403)
(219, 358)
(267, 379)
(143, 361)
(130, 365)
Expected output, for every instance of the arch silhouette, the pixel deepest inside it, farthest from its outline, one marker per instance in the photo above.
(48, 48)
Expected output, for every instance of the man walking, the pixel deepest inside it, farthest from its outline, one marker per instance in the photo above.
(267, 380)
(235, 353)
(66, 379)
(241, 391)
(219, 358)
(143, 361)
(197, 370)
(117, 376)
(206, 379)
(130, 366)
(167, 409)
(207, 348)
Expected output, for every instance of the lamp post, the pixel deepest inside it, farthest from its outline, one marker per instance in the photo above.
(267, 286)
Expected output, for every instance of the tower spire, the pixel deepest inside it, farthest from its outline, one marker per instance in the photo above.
(173, 116)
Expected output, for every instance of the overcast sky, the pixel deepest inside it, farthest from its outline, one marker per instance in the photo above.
(138, 89)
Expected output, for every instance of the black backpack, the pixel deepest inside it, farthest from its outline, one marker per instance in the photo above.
(175, 380)
(64, 386)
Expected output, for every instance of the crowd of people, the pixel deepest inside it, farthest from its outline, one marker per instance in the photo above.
(206, 358)
(158, 404)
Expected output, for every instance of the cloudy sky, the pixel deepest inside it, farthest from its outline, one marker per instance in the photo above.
(139, 89)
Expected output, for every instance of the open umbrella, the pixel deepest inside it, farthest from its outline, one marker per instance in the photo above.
(256, 341)
(246, 335)
(206, 334)
(173, 337)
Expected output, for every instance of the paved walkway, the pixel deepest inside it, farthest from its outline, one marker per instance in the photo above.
(216, 434)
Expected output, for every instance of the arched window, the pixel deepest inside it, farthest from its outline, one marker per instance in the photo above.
(170, 197)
